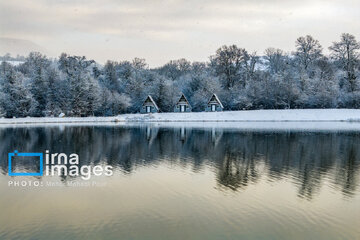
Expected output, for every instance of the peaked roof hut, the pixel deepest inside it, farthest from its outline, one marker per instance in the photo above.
(182, 105)
(149, 106)
(214, 104)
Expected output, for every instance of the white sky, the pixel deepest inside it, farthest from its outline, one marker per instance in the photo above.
(160, 31)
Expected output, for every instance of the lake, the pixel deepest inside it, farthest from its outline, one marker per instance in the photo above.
(184, 183)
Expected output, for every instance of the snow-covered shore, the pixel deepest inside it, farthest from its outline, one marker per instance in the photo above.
(294, 115)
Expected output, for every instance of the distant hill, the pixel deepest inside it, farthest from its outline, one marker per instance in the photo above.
(19, 47)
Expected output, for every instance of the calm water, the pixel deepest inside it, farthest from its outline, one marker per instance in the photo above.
(186, 183)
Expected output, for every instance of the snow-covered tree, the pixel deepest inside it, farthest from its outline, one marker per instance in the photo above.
(37, 65)
(175, 69)
(82, 86)
(276, 60)
(55, 94)
(305, 78)
(16, 100)
(346, 53)
(308, 50)
(229, 64)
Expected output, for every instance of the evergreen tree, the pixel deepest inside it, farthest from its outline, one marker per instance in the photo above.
(37, 66)
(16, 100)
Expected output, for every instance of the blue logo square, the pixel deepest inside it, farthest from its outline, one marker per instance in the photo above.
(16, 153)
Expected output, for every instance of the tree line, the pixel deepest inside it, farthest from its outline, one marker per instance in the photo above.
(76, 86)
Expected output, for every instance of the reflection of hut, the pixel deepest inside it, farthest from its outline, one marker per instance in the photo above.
(182, 105)
(148, 133)
(182, 133)
(216, 135)
(149, 106)
(151, 134)
(214, 104)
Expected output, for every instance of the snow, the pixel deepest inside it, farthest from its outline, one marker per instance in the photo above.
(299, 119)
(228, 126)
(295, 115)
(15, 62)
(251, 116)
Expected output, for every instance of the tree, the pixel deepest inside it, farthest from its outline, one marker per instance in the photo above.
(308, 50)
(80, 87)
(228, 63)
(55, 94)
(323, 87)
(276, 60)
(346, 53)
(83, 89)
(112, 103)
(37, 65)
(16, 100)
(110, 79)
(163, 92)
(175, 68)
(139, 63)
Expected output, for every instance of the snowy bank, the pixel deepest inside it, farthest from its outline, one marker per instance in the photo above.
(294, 115)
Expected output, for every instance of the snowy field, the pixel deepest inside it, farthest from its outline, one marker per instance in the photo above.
(250, 116)
(296, 115)
(260, 120)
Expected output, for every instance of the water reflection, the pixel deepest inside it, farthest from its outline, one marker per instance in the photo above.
(238, 158)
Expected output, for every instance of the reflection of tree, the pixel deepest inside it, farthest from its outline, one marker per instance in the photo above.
(237, 172)
(347, 176)
(239, 158)
(309, 182)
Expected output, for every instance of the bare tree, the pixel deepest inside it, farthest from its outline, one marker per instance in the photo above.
(308, 50)
(139, 63)
(346, 53)
(276, 60)
(228, 63)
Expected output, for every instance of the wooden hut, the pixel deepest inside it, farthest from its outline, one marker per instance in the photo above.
(149, 106)
(182, 105)
(214, 104)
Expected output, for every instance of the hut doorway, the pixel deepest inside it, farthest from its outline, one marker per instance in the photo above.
(182, 108)
(213, 107)
(148, 109)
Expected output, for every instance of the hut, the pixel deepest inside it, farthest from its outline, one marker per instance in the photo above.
(182, 105)
(214, 104)
(149, 106)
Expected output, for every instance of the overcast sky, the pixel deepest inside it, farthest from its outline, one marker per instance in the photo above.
(163, 30)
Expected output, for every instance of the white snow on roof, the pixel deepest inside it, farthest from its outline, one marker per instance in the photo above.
(152, 100)
(217, 99)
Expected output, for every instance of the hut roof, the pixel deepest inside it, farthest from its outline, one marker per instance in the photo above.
(214, 97)
(183, 99)
(149, 98)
